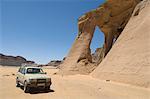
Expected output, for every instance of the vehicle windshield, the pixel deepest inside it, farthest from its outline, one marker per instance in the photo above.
(34, 71)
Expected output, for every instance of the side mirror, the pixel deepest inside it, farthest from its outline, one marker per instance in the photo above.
(45, 72)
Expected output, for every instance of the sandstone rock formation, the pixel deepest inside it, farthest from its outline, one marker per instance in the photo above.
(55, 63)
(13, 61)
(129, 59)
(111, 18)
(98, 56)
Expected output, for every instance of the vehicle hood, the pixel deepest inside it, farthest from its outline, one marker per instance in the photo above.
(37, 76)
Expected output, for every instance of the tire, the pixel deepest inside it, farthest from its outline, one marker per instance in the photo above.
(47, 88)
(26, 88)
(17, 83)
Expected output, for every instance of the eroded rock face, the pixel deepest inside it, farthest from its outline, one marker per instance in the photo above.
(129, 59)
(98, 56)
(13, 61)
(111, 18)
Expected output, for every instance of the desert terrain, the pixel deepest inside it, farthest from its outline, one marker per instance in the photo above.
(122, 69)
(70, 87)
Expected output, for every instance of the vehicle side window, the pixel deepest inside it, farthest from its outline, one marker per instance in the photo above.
(23, 71)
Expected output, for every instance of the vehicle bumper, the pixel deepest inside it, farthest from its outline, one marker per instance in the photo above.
(36, 85)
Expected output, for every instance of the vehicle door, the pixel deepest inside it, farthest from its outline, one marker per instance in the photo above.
(22, 74)
(19, 74)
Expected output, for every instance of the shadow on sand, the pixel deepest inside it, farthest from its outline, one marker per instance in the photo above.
(39, 90)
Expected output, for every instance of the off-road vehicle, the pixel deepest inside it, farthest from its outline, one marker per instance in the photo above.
(32, 77)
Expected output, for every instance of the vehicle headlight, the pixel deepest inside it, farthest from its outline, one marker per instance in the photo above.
(48, 79)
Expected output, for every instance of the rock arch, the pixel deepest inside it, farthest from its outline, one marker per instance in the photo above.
(111, 18)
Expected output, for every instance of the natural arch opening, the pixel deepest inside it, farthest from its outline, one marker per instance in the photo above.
(97, 50)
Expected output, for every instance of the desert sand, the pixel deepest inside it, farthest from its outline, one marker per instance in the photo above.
(70, 87)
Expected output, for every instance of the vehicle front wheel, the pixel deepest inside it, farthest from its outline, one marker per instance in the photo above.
(17, 83)
(26, 88)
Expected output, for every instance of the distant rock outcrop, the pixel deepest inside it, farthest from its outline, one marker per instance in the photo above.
(55, 63)
(13, 61)
(111, 18)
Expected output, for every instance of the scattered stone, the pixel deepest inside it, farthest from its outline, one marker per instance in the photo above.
(13, 74)
(54, 73)
(6, 75)
(107, 80)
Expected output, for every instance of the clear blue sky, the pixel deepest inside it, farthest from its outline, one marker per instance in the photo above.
(42, 30)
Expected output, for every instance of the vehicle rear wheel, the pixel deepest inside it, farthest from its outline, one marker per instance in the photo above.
(26, 88)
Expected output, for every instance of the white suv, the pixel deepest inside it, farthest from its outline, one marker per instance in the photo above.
(32, 77)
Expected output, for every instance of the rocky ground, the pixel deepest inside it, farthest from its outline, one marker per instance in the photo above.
(70, 87)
